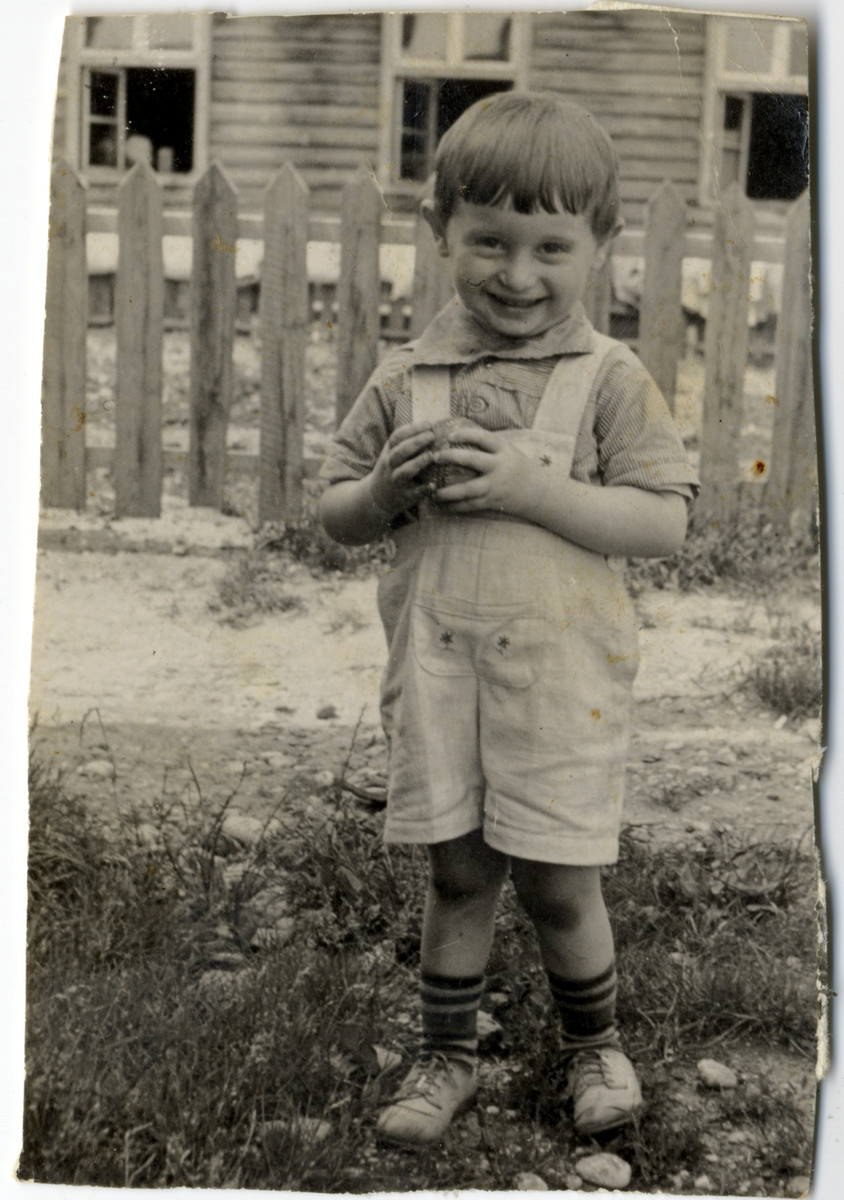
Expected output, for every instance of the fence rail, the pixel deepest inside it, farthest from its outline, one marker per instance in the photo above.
(788, 482)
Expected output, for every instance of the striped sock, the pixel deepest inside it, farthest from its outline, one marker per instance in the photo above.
(587, 1009)
(450, 1015)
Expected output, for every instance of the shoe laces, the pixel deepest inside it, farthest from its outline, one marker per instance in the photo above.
(427, 1077)
(592, 1068)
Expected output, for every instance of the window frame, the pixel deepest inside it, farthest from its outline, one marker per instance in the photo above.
(720, 81)
(85, 59)
(396, 67)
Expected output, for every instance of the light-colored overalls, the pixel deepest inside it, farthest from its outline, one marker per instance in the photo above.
(512, 653)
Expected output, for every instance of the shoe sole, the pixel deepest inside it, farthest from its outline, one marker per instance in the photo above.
(389, 1139)
(617, 1123)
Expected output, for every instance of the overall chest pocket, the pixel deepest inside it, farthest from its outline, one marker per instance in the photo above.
(504, 648)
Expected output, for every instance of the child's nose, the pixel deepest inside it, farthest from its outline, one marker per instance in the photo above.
(518, 273)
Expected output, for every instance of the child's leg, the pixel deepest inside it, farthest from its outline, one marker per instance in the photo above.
(567, 907)
(464, 882)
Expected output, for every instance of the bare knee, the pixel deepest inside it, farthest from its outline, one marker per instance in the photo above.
(465, 868)
(556, 896)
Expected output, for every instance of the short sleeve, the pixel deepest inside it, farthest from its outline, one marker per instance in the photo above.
(635, 436)
(355, 447)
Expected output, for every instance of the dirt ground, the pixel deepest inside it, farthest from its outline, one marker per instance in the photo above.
(132, 651)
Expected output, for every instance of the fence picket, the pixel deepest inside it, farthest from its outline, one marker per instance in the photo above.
(284, 320)
(213, 300)
(432, 287)
(725, 352)
(285, 316)
(792, 480)
(65, 332)
(661, 326)
(596, 299)
(139, 317)
(359, 289)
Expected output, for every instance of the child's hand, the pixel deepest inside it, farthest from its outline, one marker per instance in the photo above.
(393, 483)
(501, 473)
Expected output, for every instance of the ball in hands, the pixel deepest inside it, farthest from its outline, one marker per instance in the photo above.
(447, 434)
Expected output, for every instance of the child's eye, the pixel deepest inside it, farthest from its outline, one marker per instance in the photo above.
(487, 242)
(554, 248)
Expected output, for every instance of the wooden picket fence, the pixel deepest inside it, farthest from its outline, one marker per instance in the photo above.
(788, 482)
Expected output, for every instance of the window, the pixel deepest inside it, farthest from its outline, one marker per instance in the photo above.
(436, 65)
(141, 81)
(756, 109)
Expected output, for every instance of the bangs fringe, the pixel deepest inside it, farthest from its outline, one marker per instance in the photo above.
(571, 164)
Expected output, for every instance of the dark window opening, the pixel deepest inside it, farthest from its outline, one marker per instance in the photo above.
(733, 112)
(429, 108)
(778, 152)
(159, 108)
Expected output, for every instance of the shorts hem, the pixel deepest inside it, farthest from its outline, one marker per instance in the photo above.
(569, 852)
(412, 834)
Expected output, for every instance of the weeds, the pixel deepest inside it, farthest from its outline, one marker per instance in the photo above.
(749, 551)
(154, 1060)
(253, 586)
(788, 677)
(305, 541)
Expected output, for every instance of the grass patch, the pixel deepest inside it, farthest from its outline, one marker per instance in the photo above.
(164, 1050)
(788, 677)
(749, 551)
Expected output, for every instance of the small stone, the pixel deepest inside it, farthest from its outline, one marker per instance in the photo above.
(388, 1060)
(277, 760)
(736, 1137)
(797, 1187)
(528, 1182)
(488, 1027)
(98, 768)
(243, 828)
(573, 1182)
(147, 834)
(236, 767)
(324, 778)
(604, 1170)
(703, 1184)
(715, 1075)
(327, 712)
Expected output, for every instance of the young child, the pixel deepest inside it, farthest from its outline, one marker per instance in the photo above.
(512, 644)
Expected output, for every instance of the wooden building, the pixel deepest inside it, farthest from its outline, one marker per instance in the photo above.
(698, 100)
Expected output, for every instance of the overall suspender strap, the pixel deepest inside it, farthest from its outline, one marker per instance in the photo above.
(430, 392)
(560, 412)
(569, 387)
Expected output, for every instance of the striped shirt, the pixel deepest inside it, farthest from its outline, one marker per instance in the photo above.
(627, 436)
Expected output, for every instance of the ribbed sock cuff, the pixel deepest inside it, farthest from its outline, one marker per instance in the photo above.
(450, 1015)
(586, 1008)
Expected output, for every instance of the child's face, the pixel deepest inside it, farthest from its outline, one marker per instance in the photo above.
(517, 273)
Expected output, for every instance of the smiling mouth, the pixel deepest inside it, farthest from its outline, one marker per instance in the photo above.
(511, 302)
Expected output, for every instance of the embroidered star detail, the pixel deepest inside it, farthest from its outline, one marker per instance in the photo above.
(546, 460)
(503, 642)
(446, 637)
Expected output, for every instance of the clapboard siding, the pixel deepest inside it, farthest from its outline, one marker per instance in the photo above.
(306, 90)
(642, 75)
(299, 89)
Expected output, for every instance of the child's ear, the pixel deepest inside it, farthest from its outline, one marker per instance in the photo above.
(436, 224)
